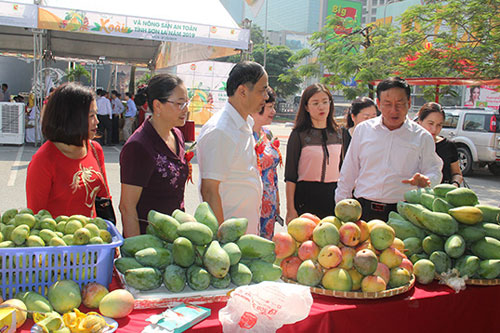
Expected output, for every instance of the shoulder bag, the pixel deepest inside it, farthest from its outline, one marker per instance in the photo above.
(103, 205)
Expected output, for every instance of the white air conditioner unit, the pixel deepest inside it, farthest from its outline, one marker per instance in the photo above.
(12, 123)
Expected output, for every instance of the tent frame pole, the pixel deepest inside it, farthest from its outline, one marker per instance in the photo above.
(37, 80)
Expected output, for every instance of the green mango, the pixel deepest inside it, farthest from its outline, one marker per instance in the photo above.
(489, 269)
(491, 214)
(220, 283)
(157, 257)
(427, 200)
(416, 257)
(6, 244)
(94, 230)
(100, 223)
(57, 241)
(20, 234)
(440, 205)
(83, 219)
(7, 230)
(197, 233)
(61, 225)
(183, 252)
(232, 229)
(455, 246)
(412, 196)
(136, 243)
(71, 226)
(233, 252)
(491, 230)
(462, 197)
(34, 302)
(26, 219)
(81, 237)
(198, 278)
(413, 245)
(467, 265)
(206, 216)
(8, 215)
(182, 217)
(165, 226)
(125, 263)
(405, 229)
(68, 239)
(441, 189)
(216, 260)
(442, 262)
(264, 271)
(199, 251)
(145, 278)
(439, 223)
(174, 278)
(49, 223)
(241, 275)
(411, 212)
(253, 246)
(487, 248)
(472, 233)
(432, 243)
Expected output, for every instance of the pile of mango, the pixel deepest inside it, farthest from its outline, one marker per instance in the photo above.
(183, 249)
(342, 252)
(446, 228)
(23, 228)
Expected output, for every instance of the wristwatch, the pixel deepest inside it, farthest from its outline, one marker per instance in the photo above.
(455, 182)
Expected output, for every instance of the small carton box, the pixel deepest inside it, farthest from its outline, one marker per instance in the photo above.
(182, 317)
(7, 320)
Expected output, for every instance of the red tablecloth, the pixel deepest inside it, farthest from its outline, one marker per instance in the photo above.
(431, 308)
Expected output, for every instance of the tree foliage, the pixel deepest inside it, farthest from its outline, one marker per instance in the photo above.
(279, 62)
(456, 38)
(77, 73)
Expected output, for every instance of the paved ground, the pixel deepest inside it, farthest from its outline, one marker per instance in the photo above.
(14, 161)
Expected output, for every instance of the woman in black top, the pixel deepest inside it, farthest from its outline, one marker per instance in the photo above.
(313, 156)
(362, 108)
(431, 117)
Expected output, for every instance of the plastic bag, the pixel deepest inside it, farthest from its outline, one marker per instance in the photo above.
(265, 307)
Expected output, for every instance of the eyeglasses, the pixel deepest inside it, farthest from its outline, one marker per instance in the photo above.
(181, 106)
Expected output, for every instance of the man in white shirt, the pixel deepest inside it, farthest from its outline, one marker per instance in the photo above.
(104, 114)
(388, 155)
(117, 106)
(128, 127)
(230, 178)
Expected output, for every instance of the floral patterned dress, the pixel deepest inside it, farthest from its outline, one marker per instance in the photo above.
(269, 157)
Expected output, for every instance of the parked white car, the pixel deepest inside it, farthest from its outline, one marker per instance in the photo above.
(476, 132)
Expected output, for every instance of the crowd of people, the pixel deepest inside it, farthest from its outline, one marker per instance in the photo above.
(376, 158)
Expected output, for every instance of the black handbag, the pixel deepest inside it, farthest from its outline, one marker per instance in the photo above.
(103, 205)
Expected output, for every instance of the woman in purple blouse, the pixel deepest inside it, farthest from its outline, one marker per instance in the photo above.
(153, 168)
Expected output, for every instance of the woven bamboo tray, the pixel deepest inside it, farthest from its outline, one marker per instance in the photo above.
(483, 282)
(360, 294)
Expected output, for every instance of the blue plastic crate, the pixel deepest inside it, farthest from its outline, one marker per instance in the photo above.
(37, 268)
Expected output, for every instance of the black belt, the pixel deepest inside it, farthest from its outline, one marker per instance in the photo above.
(375, 205)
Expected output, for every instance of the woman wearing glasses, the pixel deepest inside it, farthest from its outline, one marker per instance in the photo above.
(153, 168)
(313, 155)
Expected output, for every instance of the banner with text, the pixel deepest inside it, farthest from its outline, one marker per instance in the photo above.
(141, 28)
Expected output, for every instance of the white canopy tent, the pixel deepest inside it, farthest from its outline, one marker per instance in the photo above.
(123, 32)
(148, 33)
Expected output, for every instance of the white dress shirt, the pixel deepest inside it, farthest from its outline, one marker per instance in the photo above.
(226, 152)
(104, 107)
(117, 106)
(378, 159)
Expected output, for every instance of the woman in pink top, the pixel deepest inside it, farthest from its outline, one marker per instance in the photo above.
(313, 156)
